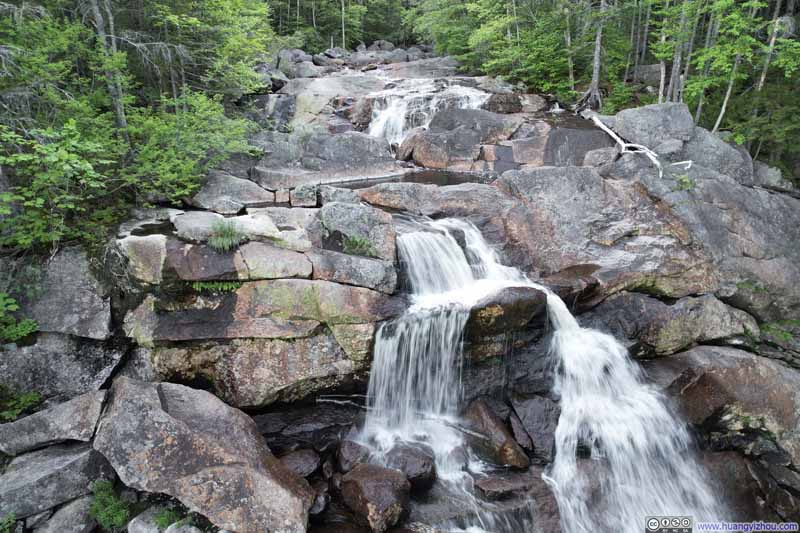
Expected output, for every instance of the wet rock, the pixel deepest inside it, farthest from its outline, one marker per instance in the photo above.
(350, 454)
(59, 367)
(508, 310)
(188, 444)
(70, 299)
(72, 420)
(359, 229)
(228, 195)
(353, 270)
(145, 257)
(496, 442)
(377, 495)
(501, 485)
(73, 517)
(313, 98)
(618, 228)
(302, 462)
(416, 461)
(709, 380)
(321, 426)
(539, 418)
(504, 104)
(652, 125)
(40, 480)
(655, 328)
(733, 477)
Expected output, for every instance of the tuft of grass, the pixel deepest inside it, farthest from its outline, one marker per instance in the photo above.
(751, 286)
(216, 287)
(166, 517)
(225, 236)
(781, 330)
(8, 523)
(13, 404)
(356, 245)
(109, 510)
(685, 183)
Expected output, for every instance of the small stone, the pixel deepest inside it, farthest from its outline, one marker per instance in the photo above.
(416, 461)
(496, 444)
(304, 196)
(350, 454)
(377, 495)
(302, 462)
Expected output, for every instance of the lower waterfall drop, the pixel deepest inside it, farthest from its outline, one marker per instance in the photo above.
(639, 453)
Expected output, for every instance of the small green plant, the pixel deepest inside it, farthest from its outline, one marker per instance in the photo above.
(356, 245)
(109, 510)
(751, 286)
(13, 404)
(8, 523)
(685, 183)
(781, 330)
(12, 329)
(216, 287)
(166, 517)
(225, 236)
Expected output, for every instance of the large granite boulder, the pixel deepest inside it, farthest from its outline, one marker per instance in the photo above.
(654, 328)
(357, 229)
(630, 242)
(709, 381)
(73, 517)
(59, 367)
(652, 125)
(186, 443)
(314, 96)
(70, 299)
(228, 195)
(73, 420)
(145, 257)
(708, 150)
(749, 233)
(41, 480)
(506, 311)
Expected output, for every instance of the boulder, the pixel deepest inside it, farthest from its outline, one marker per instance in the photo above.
(313, 96)
(70, 299)
(228, 195)
(145, 522)
(337, 52)
(358, 229)
(416, 461)
(73, 517)
(188, 444)
(616, 229)
(321, 426)
(381, 45)
(353, 270)
(653, 328)
(143, 221)
(271, 78)
(708, 150)
(505, 311)
(654, 124)
(708, 380)
(59, 367)
(145, 257)
(533, 103)
(495, 443)
(40, 480)
(539, 418)
(301, 462)
(329, 194)
(772, 178)
(504, 103)
(195, 226)
(273, 111)
(502, 485)
(72, 420)
(377, 495)
(304, 196)
(293, 55)
(350, 454)
(599, 157)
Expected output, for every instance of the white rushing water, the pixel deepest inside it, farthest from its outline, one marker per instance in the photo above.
(413, 103)
(640, 459)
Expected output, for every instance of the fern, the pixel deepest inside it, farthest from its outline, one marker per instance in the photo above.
(225, 236)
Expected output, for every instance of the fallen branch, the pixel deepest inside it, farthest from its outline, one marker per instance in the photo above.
(633, 148)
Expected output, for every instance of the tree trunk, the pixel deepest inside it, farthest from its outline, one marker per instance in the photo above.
(646, 31)
(112, 78)
(344, 41)
(661, 62)
(689, 51)
(632, 52)
(314, 14)
(731, 81)
(592, 96)
(771, 48)
(568, 41)
(711, 35)
(677, 56)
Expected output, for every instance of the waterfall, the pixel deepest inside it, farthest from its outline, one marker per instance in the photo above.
(642, 452)
(413, 103)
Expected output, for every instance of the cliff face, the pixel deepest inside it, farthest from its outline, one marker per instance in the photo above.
(266, 289)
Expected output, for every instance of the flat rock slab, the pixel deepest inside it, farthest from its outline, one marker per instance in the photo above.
(353, 270)
(228, 195)
(186, 443)
(72, 420)
(73, 517)
(43, 479)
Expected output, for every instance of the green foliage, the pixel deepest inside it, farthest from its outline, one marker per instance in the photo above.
(8, 523)
(225, 236)
(216, 287)
(685, 183)
(356, 245)
(109, 510)
(751, 286)
(166, 517)
(13, 404)
(11, 328)
(782, 330)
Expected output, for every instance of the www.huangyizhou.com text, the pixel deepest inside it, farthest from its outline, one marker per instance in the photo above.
(746, 526)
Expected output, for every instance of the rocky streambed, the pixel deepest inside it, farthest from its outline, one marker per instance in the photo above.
(231, 383)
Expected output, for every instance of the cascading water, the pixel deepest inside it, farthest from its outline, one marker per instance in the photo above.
(644, 453)
(413, 103)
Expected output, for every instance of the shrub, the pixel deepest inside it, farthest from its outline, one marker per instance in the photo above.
(8, 523)
(216, 287)
(356, 245)
(225, 236)
(109, 510)
(12, 329)
(13, 404)
(166, 517)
